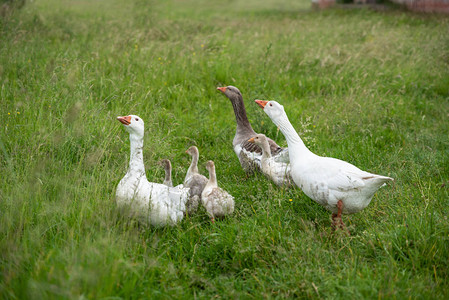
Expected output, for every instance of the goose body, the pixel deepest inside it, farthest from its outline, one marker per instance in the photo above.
(249, 154)
(151, 203)
(194, 180)
(337, 185)
(277, 171)
(216, 201)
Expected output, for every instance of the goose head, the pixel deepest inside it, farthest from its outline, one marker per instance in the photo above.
(273, 109)
(193, 150)
(259, 139)
(166, 164)
(133, 124)
(210, 166)
(231, 92)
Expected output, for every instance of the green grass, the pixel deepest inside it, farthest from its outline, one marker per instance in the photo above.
(371, 88)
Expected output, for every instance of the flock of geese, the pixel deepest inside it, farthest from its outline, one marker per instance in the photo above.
(337, 185)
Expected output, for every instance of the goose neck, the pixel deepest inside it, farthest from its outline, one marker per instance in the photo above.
(193, 168)
(294, 142)
(240, 114)
(266, 152)
(212, 177)
(136, 157)
(167, 174)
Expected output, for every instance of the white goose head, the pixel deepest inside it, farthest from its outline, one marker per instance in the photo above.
(277, 114)
(133, 124)
(273, 109)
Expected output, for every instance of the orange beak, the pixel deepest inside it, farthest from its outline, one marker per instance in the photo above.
(125, 120)
(261, 103)
(222, 89)
(251, 140)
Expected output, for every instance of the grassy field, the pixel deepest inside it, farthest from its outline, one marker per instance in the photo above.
(371, 88)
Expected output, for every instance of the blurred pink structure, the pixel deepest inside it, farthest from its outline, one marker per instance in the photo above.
(426, 5)
(323, 3)
(441, 6)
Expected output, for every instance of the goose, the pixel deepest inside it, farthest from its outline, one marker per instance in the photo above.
(278, 172)
(218, 202)
(167, 167)
(194, 180)
(249, 154)
(339, 186)
(151, 203)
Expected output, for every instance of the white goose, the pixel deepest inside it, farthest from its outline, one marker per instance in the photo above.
(278, 172)
(218, 202)
(152, 203)
(337, 185)
(248, 154)
(194, 180)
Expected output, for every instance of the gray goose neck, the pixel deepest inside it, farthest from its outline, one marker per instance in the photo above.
(266, 152)
(241, 118)
(167, 174)
(194, 164)
(212, 177)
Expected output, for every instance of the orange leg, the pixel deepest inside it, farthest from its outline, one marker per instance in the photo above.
(334, 221)
(212, 220)
(340, 208)
(338, 217)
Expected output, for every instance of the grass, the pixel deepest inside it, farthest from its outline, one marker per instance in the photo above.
(367, 87)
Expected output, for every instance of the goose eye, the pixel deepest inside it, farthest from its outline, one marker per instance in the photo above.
(271, 104)
(137, 119)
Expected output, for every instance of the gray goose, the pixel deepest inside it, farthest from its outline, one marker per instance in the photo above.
(194, 180)
(167, 167)
(278, 172)
(249, 154)
(216, 201)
